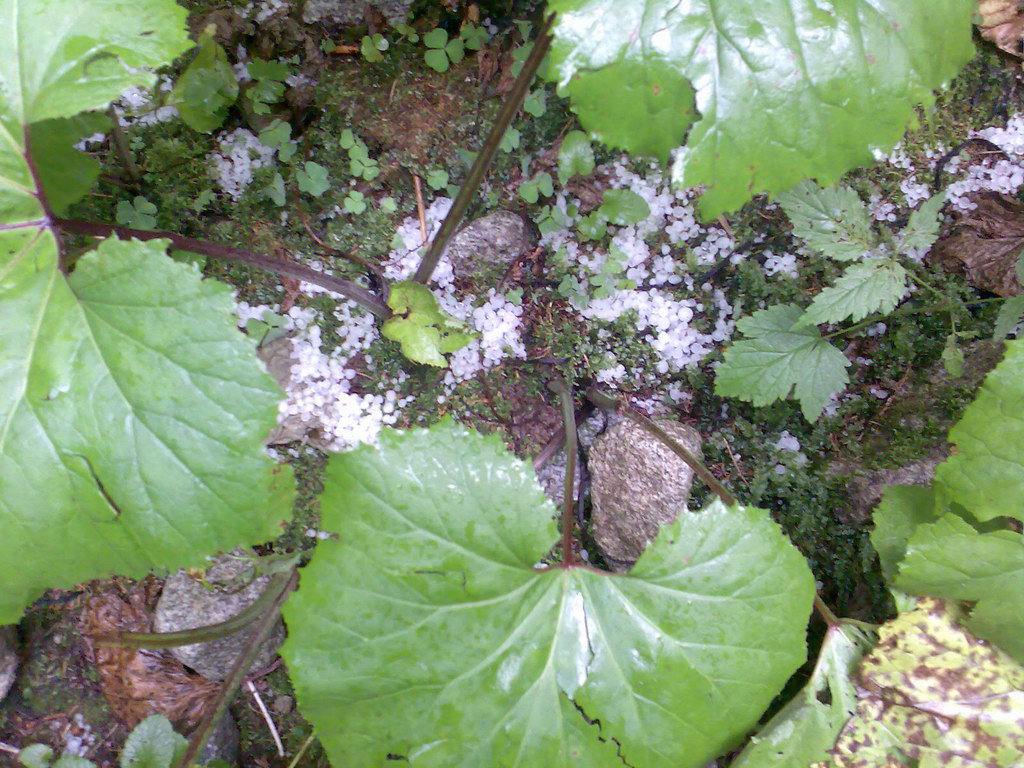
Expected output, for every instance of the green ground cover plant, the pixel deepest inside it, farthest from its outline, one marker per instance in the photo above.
(133, 412)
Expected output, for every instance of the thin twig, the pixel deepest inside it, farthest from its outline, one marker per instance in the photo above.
(420, 210)
(9, 748)
(121, 148)
(347, 289)
(825, 611)
(302, 750)
(483, 159)
(266, 717)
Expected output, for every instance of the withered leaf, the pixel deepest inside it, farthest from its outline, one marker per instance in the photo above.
(141, 682)
(985, 245)
(932, 694)
(1002, 23)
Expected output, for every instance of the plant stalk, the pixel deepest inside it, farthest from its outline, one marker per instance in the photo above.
(347, 289)
(205, 634)
(483, 160)
(568, 495)
(238, 671)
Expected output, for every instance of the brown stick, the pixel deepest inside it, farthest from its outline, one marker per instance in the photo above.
(347, 289)
(420, 209)
(569, 425)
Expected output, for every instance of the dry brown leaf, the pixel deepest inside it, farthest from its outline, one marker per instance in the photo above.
(1002, 23)
(141, 682)
(985, 245)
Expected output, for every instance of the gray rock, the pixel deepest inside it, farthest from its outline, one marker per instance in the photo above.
(8, 658)
(224, 743)
(637, 485)
(865, 490)
(277, 355)
(551, 476)
(353, 11)
(186, 603)
(494, 240)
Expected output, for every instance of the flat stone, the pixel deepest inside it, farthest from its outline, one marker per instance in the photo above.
(224, 743)
(494, 240)
(637, 485)
(186, 603)
(8, 658)
(354, 11)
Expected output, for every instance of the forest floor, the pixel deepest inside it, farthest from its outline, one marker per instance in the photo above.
(548, 312)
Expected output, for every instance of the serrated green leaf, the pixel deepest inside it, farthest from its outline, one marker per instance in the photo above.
(950, 559)
(806, 728)
(437, 178)
(312, 178)
(1010, 315)
(986, 473)
(206, 88)
(778, 360)
(923, 228)
(261, 69)
(901, 510)
(517, 665)
(131, 419)
(71, 56)
(575, 156)
(833, 221)
(934, 695)
(875, 285)
(785, 90)
(623, 206)
(536, 103)
(66, 173)
(153, 743)
(953, 356)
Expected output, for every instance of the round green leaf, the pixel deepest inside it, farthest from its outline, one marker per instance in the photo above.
(429, 629)
(575, 156)
(436, 60)
(784, 89)
(206, 88)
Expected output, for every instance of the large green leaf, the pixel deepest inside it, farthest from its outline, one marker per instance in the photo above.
(805, 729)
(430, 630)
(62, 57)
(986, 473)
(934, 695)
(132, 411)
(901, 510)
(785, 89)
(951, 559)
(778, 359)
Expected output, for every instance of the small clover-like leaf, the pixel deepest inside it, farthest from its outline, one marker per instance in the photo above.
(623, 206)
(138, 214)
(436, 59)
(575, 156)
(153, 743)
(437, 178)
(436, 38)
(275, 191)
(778, 359)
(312, 178)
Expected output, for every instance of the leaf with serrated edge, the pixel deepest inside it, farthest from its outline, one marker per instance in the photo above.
(575, 156)
(778, 359)
(952, 560)
(934, 694)
(875, 285)
(425, 630)
(806, 728)
(986, 473)
(833, 221)
(1010, 315)
(785, 89)
(923, 228)
(901, 510)
(132, 411)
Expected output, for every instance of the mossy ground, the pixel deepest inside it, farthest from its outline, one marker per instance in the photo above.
(415, 121)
